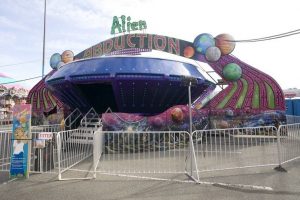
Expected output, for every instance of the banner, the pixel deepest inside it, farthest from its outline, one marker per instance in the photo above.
(21, 138)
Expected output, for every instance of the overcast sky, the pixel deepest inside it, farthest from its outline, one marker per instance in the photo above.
(79, 24)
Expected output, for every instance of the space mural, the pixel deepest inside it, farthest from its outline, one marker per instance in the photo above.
(177, 119)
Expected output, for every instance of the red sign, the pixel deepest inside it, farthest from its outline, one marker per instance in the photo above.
(45, 135)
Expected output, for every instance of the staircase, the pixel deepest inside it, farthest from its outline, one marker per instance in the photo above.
(89, 123)
(72, 121)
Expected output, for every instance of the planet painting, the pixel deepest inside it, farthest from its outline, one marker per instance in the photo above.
(202, 42)
(54, 60)
(67, 56)
(213, 54)
(225, 43)
(232, 72)
(188, 52)
(177, 115)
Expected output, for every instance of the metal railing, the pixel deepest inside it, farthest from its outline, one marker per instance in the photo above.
(43, 157)
(73, 118)
(47, 128)
(222, 149)
(5, 149)
(288, 143)
(144, 152)
(292, 119)
(5, 124)
(91, 119)
(72, 148)
(170, 152)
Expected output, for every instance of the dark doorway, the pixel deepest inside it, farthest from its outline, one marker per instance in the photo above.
(99, 95)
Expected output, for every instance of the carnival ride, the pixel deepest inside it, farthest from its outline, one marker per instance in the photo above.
(151, 94)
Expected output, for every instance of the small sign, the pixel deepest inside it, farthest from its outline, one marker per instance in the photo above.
(45, 136)
(39, 144)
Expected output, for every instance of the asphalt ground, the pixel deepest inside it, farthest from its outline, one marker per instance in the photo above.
(282, 185)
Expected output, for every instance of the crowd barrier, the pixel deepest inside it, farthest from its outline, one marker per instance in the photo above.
(5, 124)
(74, 147)
(43, 156)
(157, 152)
(144, 152)
(5, 149)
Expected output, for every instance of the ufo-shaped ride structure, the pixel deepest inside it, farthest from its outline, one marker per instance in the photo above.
(126, 84)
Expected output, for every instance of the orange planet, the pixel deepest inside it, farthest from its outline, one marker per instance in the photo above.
(67, 56)
(188, 52)
(177, 115)
(225, 43)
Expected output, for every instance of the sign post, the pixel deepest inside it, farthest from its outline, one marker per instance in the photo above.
(21, 140)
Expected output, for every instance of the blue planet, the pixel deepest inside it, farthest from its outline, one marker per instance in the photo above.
(54, 60)
(203, 41)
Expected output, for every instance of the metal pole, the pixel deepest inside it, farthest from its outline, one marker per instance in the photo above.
(191, 128)
(190, 109)
(44, 36)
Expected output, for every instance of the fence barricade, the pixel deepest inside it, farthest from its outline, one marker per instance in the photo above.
(73, 147)
(144, 152)
(5, 149)
(54, 128)
(171, 152)
(292, 119)
(44, 152)
(289, 142)
(5, 124)
(222, 149)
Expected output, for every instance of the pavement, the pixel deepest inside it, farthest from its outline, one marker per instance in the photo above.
(4, 177)
(228, 185)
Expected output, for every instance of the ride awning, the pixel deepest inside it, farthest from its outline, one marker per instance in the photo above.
(42, 99)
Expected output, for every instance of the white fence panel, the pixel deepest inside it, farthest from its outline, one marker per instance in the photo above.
(5, 124)
(73, 147)
(44, 153)
(292, 119)
(5, 149)
(144, 152)
(223, 149)
(289, 144)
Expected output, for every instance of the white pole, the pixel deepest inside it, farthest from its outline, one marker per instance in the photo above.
(44, 36)
(190, 109)
(191, 128)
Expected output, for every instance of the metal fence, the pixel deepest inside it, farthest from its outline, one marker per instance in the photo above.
(292, 119)
(5, 124)
(43, 158)
(288, 143)
(144, 152)
(169, 152)
(73, 147)
(223, 149)
(5, 149)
